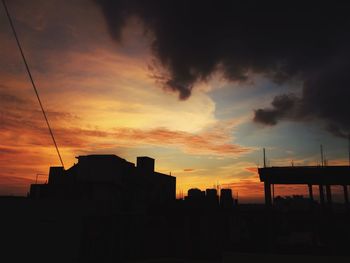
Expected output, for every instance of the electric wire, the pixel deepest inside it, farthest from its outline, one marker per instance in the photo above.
(32, 81)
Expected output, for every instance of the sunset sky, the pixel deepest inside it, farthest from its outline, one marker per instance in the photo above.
(186, 84)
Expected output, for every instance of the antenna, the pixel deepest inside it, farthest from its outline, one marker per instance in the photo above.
(264, 157)
(31, 80)
(322, 160)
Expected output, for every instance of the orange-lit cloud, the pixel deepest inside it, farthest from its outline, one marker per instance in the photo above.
(211, 143)
(252, 169)
(100, 97)
(27, 148)
(247, 190)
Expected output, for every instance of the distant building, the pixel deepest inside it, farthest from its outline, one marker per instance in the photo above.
(226, 199)
(209, 198)
(109, 178)
(293, 203)
(195, 194)
(212, 197)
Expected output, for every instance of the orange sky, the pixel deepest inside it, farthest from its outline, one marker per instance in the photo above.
(101, 97)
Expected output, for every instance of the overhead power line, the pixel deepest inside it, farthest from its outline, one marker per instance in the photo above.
(31, 80)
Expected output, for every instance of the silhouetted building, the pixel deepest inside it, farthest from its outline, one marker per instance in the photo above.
(195, 198)
(212, 197)
(145, 165)
(209, 198)
(293, 203)
(109, 178)
(195, 194)
(226, 199)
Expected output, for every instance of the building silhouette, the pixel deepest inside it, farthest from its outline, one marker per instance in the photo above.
(226, 199)
(209, 199)
(106, 209)
(109, 178)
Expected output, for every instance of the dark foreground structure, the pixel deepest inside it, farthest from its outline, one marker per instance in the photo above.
(109, 178)
(322, 176)
(106, 209)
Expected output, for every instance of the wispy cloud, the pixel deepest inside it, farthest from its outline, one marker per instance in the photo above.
(98, 98)
(27, 148)
(207, 143)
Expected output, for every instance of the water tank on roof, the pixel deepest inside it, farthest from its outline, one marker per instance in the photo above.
(145, 164)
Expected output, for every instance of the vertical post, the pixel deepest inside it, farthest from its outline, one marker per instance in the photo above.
(346, 196)
(264, 157)
(321, 194)
(267, 189)
(329, 194)
(311, 196)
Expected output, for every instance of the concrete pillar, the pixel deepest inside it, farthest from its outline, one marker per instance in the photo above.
(321, 194)
(329, 194)
(267, 189)
(311, 196)
(346, 196)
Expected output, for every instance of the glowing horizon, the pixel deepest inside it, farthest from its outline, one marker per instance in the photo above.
(101, 97)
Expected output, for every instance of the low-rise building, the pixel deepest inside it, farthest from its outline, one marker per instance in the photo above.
(109, 178)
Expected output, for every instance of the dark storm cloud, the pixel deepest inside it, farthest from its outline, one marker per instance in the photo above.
(283, 106)
(307, 40)
(325, 97)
